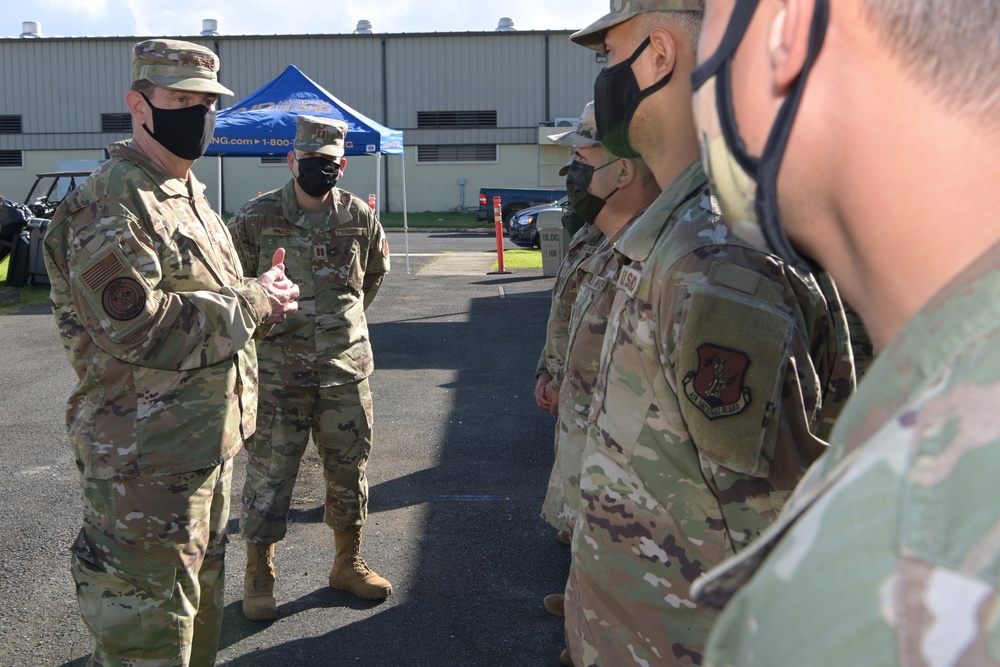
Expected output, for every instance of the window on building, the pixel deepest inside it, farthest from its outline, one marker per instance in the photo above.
(11, 159)
(429, 120)
(10, 125)
(457, 153)
(116, 122)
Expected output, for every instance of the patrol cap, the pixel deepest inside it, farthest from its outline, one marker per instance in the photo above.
(585, 133)
(177, 65)
(320, 135)
(622, 10)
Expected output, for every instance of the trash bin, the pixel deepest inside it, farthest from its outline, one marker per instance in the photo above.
(553, 240)
(37, 274)
(17, 270)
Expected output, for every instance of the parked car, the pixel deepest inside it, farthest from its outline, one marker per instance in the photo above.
(523, 230)
(512, 200)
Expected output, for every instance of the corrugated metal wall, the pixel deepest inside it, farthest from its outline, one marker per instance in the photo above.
(61, 86)
(350, 67)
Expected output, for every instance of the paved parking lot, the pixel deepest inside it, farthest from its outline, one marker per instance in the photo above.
(457, 478)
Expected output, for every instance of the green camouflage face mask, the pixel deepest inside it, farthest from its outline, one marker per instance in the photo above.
(746, 186)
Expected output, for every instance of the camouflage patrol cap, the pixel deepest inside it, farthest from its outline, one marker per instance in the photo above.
(622, 10)
(177, 65)
(585, 133)
(320, 135)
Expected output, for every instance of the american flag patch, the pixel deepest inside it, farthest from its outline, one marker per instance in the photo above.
(99, 274)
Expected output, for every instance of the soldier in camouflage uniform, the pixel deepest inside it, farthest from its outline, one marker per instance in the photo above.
(549, 372)
(607, 192)
(158, 322)
(721, 371)
(314, 367)
(887, 553)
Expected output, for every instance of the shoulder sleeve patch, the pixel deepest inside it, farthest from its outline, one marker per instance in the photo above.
(733, 352)
(116, 291)
(102, 271)
(123, 299)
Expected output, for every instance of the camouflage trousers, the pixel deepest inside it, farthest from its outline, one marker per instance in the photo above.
(340, 422)
(149, 564)
(562, 498)
(628, 594)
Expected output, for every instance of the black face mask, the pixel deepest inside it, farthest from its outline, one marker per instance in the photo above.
(763, 169)
(317, 175)
(184, 132)
(572, 222)
(616, 98)
(580, 201)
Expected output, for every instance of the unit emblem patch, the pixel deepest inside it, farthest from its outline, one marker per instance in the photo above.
(123, 298)
(716, 387)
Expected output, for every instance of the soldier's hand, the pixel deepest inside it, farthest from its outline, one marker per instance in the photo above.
(552, 396)
(541, 396)
(281, 292)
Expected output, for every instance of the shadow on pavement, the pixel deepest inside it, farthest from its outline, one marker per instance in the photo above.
(483, 558)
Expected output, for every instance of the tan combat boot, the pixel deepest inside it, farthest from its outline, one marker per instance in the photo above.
(258, 583)
(350, 572)
(555, 604)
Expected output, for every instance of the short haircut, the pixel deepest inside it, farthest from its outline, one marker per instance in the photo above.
(686, 23)
(953, 46)
(144, 86)
(642, 170)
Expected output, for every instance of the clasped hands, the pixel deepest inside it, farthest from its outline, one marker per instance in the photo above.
(281, 292)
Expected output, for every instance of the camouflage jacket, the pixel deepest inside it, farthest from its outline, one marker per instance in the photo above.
(585, 335)
(564, 291)
(890, 542)
(588, 320)
(338, 266)
(157, 320)
(708, 408)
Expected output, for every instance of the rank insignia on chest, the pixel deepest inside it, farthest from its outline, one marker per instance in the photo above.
(319, 251)
(716, 386)
(628, 280)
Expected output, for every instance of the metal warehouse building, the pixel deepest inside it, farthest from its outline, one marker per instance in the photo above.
(475, 108)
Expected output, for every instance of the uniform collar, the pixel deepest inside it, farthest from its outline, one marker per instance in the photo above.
(638, 242)
(172, 186)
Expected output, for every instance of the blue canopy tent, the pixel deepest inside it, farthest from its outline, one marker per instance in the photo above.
(263, 125)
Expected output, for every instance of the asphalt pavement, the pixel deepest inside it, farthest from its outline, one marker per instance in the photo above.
(457, 477)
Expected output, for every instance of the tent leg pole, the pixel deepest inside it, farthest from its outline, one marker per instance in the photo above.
(406, 226)
(219, 174)
(378, 184)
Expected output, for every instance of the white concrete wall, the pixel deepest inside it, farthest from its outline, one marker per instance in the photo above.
(16, 181)
(245, 177)
(429, 186)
